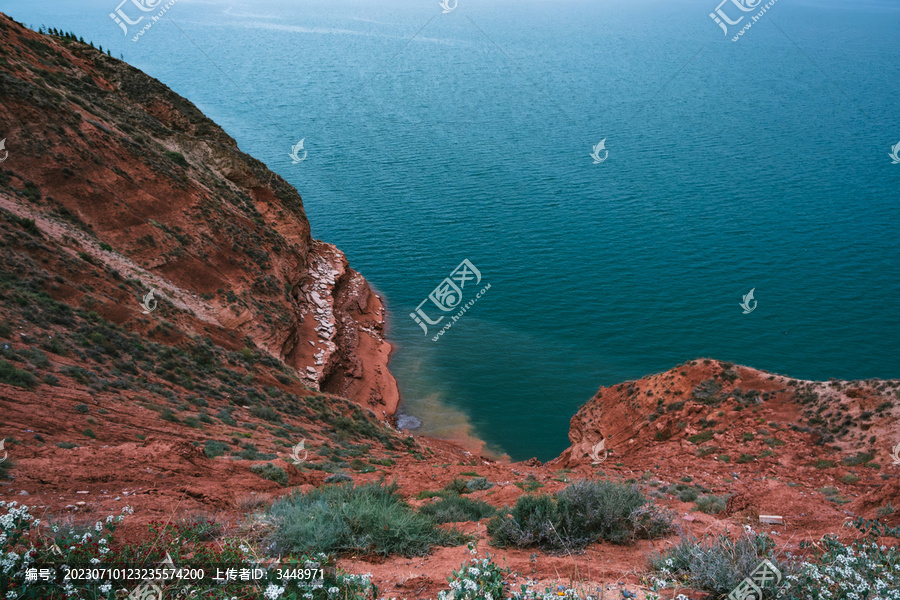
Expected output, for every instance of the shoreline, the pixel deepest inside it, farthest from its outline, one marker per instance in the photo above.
(461, 437)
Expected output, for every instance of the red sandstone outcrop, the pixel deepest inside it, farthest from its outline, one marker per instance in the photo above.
(113, 165)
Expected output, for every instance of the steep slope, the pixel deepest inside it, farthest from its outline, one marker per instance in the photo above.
(113, 166)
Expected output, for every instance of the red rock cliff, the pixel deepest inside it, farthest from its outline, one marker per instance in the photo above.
(114, 166)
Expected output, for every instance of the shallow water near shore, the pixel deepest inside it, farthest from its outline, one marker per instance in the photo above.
(731, 167)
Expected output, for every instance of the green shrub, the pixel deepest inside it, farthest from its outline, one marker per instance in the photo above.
(339, 478)
(265, 412)
(66, 445)
(710, 504)
(703, 436)
(860, 459)
(212, 448)
(368, 519)
(457, 486)
(478, 484)
(454, 509)
(582, 513)
(717, 564)
(271, 472)
(686, 494)
(224, 415)
(89, 433)
(17, 377)
(177, 158)
(82, 408)
(530, 484)
(362, 466)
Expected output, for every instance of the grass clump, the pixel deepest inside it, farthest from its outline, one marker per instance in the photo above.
(339, 478)
(703, 436)
(860, 459)
(177, 158)
(530, 484)
(368, 519)
(212, 448)
(17, 377)
(478, 484)
(271, 472)
(710, 504)
(580, 514)
(455, 509)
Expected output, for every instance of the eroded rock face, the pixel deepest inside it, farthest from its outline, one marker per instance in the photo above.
(136, 177)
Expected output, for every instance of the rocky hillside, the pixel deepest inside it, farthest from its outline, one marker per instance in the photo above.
(131, 189)
(770, 439)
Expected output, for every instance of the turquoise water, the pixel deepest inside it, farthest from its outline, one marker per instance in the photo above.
(761, 164)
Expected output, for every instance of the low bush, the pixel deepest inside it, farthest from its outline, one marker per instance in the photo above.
(715, 564)
(339, 478)
(580, 514)
(478, 484)
(710, 504)
(455, 509)
(271, 472)
(703, 436)
(369, 519)
(17, 377)
(212, 448)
